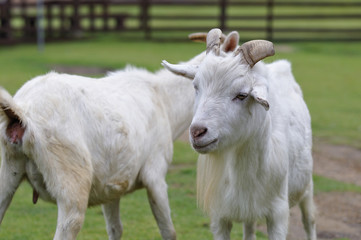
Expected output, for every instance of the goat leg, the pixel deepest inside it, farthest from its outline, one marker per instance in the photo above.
(158, 200)
(11, 174)
(277, 221)
(221, 228)
(112, 219)
(249, 231)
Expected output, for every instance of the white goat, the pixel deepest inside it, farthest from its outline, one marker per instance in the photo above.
(81, 141)
(253, 127)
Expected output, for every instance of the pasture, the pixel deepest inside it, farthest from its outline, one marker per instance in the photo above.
(329, 74)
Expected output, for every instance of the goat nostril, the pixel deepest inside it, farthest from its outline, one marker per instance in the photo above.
(198, 131)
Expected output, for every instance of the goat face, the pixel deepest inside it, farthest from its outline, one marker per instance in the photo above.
(226, 109)
(227, 85)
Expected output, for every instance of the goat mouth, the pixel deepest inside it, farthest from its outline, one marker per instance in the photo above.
(202, 146)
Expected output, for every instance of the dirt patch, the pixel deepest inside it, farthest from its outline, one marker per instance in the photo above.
(284, 48)
(338, 216)
(342, 163)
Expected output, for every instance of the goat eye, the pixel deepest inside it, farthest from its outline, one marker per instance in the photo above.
(242, 96)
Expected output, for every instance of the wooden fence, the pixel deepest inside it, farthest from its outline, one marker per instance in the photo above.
(276, 20)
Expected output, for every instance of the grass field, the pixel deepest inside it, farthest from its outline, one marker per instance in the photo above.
(329, 74)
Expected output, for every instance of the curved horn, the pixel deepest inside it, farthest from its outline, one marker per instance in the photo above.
(198, 37)
(214, 41)
(202, 37)
(256, 50)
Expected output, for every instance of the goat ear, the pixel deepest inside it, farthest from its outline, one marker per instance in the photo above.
(188, 71)
(260, 95)
(231, 42)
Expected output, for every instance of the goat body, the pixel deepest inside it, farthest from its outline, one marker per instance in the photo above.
(253, 130)
(81, 141)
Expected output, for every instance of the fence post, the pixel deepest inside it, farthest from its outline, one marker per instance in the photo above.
(49, 20)
(5, 18)
(105, 15)
(91, 17)
(40, 34)
(144, 18)
(75, 18)
(269, 28)
(223, 16)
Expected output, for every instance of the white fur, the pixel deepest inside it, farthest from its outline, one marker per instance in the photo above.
(255, 157)
(91, 141)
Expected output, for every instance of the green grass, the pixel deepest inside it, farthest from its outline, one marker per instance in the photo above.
(323, 184)
(21, 63)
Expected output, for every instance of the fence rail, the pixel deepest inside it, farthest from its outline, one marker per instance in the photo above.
(277, 20)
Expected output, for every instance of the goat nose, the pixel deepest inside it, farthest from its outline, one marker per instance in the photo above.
(198, 131)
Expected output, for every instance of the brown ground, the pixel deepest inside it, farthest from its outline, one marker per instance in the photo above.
(338, 214)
